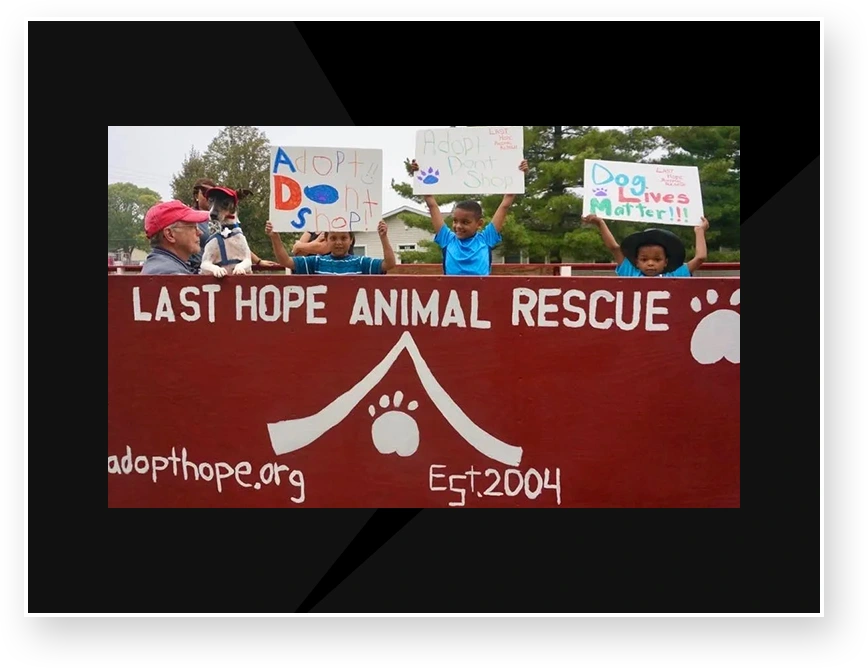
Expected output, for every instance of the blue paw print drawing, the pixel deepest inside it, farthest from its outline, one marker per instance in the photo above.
(430, 177)
(600, 192)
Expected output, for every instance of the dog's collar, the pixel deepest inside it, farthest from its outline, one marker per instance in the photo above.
(230, 230)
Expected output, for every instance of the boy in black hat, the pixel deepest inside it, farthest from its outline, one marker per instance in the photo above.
(653, 252)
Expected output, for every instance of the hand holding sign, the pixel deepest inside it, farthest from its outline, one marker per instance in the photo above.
(658, 194)
(321, 189)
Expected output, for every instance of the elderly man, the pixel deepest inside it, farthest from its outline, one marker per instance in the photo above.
(172, 228)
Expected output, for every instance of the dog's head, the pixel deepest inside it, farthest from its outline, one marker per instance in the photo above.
(224, 203)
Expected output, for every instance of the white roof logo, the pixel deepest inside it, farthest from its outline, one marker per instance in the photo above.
(290, 435)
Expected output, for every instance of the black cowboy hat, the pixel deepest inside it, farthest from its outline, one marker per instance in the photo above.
(673, 246)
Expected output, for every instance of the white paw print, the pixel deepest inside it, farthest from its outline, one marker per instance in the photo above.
(395, 430)
(717, 336)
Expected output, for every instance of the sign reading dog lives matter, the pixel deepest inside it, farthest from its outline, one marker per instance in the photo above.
(473, 161)
(659, 194)
(326, 189)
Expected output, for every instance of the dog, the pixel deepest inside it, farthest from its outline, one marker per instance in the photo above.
(227, 246)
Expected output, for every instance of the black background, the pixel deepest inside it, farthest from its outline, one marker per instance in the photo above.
(763, 557)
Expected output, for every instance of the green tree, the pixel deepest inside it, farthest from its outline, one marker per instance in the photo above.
(192, 169)
(551, 209)
(127, 205)
(238, 157)
(716, 151)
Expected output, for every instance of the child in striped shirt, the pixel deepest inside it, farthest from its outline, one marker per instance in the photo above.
(338, 261)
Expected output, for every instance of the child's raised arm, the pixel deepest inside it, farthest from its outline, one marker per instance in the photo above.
(701, 247)
(613, 246)
(500, 215)
(389, 260)
(279, 251)
(433, 207)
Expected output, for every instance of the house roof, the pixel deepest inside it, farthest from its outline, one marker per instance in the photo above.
(405, 209)
(445, 209)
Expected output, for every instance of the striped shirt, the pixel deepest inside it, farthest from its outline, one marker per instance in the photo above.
(328, 264)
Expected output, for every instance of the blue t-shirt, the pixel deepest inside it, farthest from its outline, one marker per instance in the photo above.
(328, 264)
(628, 270)
(468, 257)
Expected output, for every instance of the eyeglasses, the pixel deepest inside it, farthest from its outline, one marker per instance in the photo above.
(189, 226)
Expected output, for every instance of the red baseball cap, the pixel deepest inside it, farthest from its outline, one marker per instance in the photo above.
(161, 215)
(228, 191)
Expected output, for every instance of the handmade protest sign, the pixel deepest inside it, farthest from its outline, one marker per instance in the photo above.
(473, 160)
(659, 194)
(326, 189)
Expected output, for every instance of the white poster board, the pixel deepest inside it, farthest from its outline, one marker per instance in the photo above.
(320, 189)
(471, 161)
(658, 194)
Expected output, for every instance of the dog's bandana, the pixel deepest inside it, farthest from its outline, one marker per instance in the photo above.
(227, 232)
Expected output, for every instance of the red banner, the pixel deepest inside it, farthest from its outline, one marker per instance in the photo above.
(405, 391)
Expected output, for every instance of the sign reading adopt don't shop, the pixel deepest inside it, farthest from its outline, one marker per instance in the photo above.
(320, 189)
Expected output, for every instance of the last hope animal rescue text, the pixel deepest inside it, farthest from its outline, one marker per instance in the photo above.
(626, 310)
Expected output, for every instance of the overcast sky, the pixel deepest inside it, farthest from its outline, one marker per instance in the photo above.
(149, 156)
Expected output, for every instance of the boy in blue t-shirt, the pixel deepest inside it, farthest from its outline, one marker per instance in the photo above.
(655, 253)
(466, 249)
(338, 261)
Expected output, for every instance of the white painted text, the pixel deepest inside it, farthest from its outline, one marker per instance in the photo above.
(269, 473)
(600, 309)
(532, 483)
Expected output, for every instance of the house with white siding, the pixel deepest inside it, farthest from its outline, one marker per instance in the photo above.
(404, 237)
